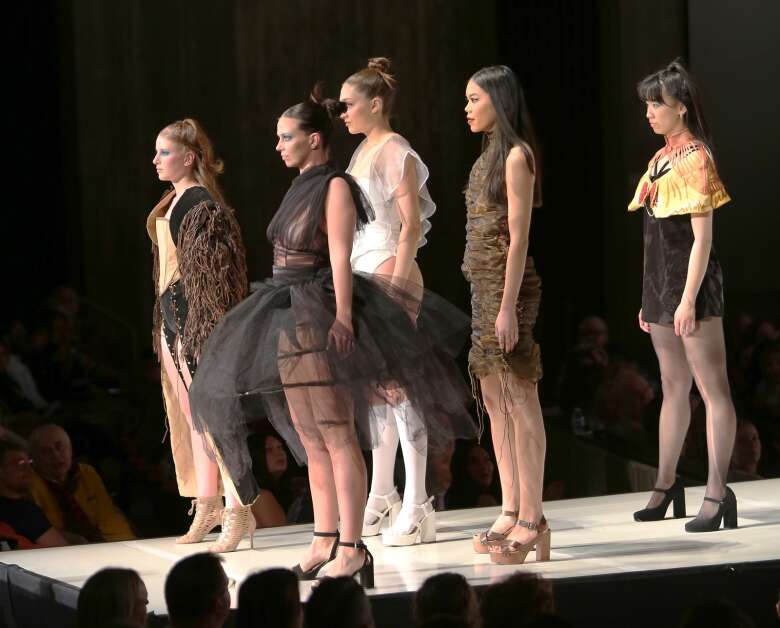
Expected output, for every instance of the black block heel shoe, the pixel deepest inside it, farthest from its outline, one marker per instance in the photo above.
(311, 574)
(727, 512)
(365, 574)
(675, 495)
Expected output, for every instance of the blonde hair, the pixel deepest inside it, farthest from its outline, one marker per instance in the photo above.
(376, 81)
(206, 167)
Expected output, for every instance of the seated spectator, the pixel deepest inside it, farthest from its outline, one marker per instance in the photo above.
(438, 475)
(584, 366)
(716, 613)
(72, 494)
(281, 484)
(197, 592)
(338, 602)
(22, 523)
(746, 454)
(621, 401)
(445, 621)
(766, 397)
(270, 599)
(18, 391)
(446, 595)
(516, 601)
(474, 480)
(112, 595)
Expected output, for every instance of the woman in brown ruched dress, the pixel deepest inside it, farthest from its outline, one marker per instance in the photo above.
(503, 188)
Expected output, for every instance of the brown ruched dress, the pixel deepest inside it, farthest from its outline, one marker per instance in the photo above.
(484, 266)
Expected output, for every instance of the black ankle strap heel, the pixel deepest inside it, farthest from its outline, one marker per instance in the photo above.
(727, 512)
(311, 574)
(365, 574)
(674, 495)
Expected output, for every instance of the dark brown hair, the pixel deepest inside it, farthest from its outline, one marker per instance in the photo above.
(315, 114)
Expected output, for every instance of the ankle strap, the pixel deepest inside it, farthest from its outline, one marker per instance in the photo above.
(331, 535)
(510, 513)
(528, 524)
(353, 544)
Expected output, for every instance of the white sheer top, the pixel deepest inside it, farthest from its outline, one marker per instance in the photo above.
(379, 170)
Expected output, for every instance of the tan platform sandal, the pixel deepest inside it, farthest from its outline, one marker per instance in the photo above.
(515, 553)
(483, 541)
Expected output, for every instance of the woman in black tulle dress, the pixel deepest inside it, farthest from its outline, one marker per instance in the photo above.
(320, 347)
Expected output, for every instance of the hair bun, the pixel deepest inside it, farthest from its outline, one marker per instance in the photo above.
(383, 65)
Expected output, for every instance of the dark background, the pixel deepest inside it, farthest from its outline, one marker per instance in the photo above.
(92, 82)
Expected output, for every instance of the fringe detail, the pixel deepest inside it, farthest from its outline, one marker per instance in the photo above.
(212, 263)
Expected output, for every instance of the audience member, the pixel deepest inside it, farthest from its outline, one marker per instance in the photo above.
(516, 601)
(281, 483)
(716, 614)
(270, 599)
(620, 403)
(438, 475)
(446, 595)
(197, 592)
(584, 366)
(22, 523)
(112, 595)
(338, 602)
(72, 494)
(747, 453)
(474, 480)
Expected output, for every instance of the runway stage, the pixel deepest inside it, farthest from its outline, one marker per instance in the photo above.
(605, 566)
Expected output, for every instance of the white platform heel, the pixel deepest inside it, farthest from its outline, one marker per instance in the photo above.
(422, 529)
(375, 520)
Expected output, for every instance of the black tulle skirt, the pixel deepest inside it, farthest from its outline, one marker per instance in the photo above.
(270, 357)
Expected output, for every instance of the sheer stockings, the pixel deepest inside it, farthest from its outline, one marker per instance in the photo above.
(701, 358)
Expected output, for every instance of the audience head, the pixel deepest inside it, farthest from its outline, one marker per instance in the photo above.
(112, 595)
(718, 613)
(270, 599)
(438, 476)
(445, 621)
(593, 332)
(525, 596)
(446, 595)
(747, 448)
(275, 456)
(338, 602)
(52, 451)
(15, 466)
(197, 592)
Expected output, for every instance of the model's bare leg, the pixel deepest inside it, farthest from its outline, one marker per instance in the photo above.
(336, 422)
(675, 415)
(706, 352)
(504, 445)
(321, 478)
(530, 446)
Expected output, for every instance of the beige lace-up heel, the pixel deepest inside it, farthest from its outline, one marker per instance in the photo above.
(236, 522)
(208, 511)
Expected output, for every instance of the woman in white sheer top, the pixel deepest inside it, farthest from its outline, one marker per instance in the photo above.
(393, 177)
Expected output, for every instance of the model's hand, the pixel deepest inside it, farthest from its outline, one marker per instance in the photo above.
(645, 327)
(506, 329)
(341, 336)
(685, 318)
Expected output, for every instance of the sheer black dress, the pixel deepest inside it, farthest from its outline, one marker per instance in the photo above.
(270, 355)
